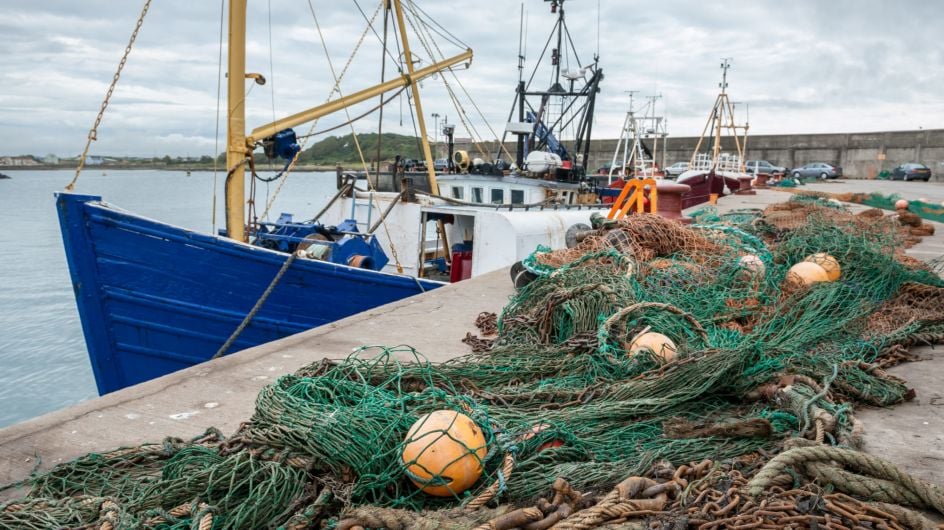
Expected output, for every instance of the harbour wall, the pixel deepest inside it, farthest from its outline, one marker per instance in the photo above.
(861, 155)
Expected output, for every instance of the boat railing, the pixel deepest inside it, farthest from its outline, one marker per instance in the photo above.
(725, 162)
(702, 162)
(729, 162)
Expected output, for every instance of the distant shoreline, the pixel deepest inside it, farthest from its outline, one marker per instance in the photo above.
(125, 167)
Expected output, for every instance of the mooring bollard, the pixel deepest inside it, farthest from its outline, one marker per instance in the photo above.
(761, 181)
(745, 186)
(670, 200)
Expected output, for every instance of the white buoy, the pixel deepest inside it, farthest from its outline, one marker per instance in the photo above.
(753, 264)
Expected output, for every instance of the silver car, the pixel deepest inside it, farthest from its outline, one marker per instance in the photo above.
(819, 170)
(676, 169)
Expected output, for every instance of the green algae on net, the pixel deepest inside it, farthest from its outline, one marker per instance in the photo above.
(760, 361)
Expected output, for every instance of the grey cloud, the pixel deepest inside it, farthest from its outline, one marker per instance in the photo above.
(804, 65)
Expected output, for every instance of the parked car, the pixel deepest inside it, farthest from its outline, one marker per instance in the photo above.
(441, 164)
(819, 170)
(912, 171)
(411, 164)
(754, 167)
(676, 169)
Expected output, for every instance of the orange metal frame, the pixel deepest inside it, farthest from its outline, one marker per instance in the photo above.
(633, 196)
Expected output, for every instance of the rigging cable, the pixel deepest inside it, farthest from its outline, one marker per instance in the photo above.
(314, 123)
(470, 128)
(383, 75)
(359, 117)
(370, 25)
(219, 97)
(272, 86)
(93, 132)
(469, 96)
(448, 35)
(357, 144)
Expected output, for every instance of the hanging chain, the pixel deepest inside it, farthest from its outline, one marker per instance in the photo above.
(93, 133)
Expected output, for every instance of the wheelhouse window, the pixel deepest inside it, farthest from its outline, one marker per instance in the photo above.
(498, 196)
(457, 192)
(517, 196)
(477, 195)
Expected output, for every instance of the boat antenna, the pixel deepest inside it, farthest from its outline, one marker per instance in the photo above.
(631, 93)
(725, 65)
(521, 44)
(597, 56)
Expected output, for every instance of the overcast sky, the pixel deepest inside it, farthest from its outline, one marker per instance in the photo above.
(802, 65)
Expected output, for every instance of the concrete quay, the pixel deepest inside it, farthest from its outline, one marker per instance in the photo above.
(221, 393)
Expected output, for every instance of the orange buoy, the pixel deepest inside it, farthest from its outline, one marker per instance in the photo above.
(828, 263)
(901, 204)
(443, 453)
(657, 343)
(753, 264)
(807, 273)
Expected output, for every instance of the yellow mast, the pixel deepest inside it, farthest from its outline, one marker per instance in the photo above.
(236, 129)
(430, 167)
(321, 110)
(239, 146)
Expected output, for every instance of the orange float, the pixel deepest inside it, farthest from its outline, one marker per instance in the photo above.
(657, 343)
(444, 452)
(807, 273)
(828, 263)
(901, 204)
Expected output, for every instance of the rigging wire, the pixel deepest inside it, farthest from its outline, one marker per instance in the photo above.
(370, 25)
(449, 36)
(383, 75)
(271, 84)
(470, 128)
(379, 106)
(314, 123)
(219, 97)
(357, 144)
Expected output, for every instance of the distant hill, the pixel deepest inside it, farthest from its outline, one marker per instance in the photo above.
(341, 149)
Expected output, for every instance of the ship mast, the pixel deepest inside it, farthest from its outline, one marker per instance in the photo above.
(236, 123)
(239, 146)
(716, 121)
(414, 88)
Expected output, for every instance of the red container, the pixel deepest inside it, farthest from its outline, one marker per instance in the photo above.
(461, 266)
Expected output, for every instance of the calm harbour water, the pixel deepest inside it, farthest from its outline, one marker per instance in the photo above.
(43, 362)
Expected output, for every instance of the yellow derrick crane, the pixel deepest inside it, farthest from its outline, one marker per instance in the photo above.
(239, 146)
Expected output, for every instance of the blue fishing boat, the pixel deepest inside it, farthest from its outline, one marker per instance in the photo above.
(154, 298)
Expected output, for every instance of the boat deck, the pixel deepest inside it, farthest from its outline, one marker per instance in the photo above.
(221, 393)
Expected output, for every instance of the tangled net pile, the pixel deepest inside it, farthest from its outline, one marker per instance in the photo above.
(751, 425)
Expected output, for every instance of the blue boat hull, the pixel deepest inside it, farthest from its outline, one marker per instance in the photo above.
(155, 298)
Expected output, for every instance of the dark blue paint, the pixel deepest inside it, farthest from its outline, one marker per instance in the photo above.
(154, 298)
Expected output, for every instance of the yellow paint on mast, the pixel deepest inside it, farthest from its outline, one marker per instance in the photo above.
(430, 167)
(236, 150)
(322, 110)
